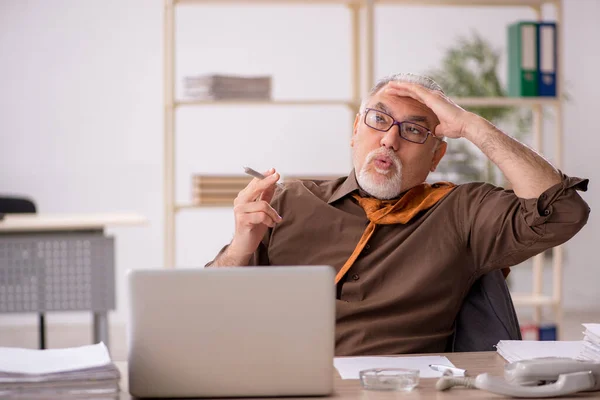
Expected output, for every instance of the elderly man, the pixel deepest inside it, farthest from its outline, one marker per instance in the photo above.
(406, 252)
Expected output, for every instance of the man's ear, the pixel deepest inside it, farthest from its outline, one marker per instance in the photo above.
(438, 155)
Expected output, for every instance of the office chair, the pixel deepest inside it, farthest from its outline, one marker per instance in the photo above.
(18, 205)
(14, 205)
(486, 316)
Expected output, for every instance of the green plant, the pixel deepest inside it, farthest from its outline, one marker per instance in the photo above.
(470, 69)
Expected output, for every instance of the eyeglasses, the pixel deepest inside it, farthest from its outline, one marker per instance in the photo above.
(383, 122)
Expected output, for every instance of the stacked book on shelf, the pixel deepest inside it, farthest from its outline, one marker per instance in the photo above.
(227, 87)
(533, 331)
(221, 190)
(290, 178)
(532, 59)
(71, 373)
(217, 190)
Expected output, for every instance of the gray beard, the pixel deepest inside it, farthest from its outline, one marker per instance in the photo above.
(389, 190)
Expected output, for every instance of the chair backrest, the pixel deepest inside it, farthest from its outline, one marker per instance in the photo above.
(486, 316)
(16, 205)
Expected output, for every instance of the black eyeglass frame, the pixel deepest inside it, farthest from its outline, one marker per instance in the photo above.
(394, 122)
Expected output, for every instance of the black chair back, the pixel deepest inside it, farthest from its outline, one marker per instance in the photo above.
(16, 205)
(486, 316)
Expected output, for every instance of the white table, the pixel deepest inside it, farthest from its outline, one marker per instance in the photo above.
(26, 247)
(66, 222)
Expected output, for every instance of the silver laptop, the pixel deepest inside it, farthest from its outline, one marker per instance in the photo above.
(231, 332)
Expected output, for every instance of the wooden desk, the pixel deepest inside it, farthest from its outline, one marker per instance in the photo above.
(60, 262)
(65, 222)
(474, 363)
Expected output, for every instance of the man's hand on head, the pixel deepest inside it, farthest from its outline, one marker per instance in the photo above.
(455, 122)
(527, 171)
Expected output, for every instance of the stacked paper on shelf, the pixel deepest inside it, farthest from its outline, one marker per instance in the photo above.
(217, 190)
(80, 372)
(227, 87)
(517, 350)
(591, 343)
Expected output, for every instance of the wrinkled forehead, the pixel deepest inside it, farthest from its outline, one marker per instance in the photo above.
(401, 107)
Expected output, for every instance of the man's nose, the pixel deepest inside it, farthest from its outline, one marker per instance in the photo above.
(391, 139)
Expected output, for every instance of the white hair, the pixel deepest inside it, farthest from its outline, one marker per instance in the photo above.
(406, 77)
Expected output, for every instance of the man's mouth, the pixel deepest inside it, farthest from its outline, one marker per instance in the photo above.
(383, 162)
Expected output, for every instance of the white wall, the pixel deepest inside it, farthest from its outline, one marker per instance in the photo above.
(582, 60)
(81, 108)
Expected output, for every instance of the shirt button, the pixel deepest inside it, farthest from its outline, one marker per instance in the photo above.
(355, 277)
(546, 212)
(367, 246)
(542, 196)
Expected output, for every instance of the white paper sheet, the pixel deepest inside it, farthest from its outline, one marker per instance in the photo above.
(516, 350)
(28, 361)
(349, 367)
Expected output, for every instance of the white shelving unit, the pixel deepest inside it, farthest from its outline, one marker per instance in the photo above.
(362, 63)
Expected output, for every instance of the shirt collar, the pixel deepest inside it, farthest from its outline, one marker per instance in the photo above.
(350, 185)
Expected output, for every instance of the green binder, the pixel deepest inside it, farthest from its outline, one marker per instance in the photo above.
(522, 59)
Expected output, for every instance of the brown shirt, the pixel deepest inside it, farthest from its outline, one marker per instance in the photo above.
(405, 289)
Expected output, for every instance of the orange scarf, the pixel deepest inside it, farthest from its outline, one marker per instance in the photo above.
(386, 212)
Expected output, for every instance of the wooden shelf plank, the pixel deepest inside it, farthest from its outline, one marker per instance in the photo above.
(464, 101)
(467, 3)
(348, 103)
(531, 300)
(506, 101)
(192, 206)
(271, 2)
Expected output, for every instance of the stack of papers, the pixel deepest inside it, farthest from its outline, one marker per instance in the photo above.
(350, 367)
(591, 343)
(227, 87)
(517, 350)
(81, 372)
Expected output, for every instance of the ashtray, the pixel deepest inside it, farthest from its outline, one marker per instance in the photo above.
(399, 379)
